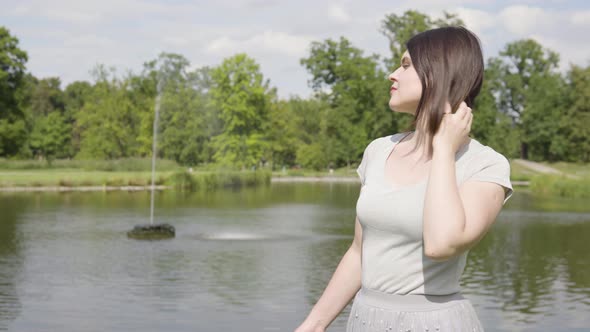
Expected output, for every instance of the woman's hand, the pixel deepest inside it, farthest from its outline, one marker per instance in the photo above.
(454, 129)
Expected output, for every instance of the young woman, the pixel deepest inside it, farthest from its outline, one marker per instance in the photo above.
(427, 197)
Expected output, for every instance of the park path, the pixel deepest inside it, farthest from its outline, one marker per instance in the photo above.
(538, 167)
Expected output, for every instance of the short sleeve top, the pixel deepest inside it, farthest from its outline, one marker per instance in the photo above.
(393, 259)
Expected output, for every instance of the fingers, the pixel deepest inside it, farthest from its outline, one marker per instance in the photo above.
(463, 110)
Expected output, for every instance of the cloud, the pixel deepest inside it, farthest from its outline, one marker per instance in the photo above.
(581, 18)
(524, 19)
(266, 42)
(476, 20)
(338, 14)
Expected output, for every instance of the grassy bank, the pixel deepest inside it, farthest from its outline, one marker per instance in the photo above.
(122, 172)
(179, 179)
(136, 172)
(558, 185)
(574, 183)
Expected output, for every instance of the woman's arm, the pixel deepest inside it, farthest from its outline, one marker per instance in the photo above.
(343, 286)
(454, 218)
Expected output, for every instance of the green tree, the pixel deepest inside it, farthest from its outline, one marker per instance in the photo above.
(491, 127)
(575, 141)
(47, 113)
(307, 115)
(47, 97)
(282, 134)
(356, 90)
(546, 104)
(243, 99)
(522, 67)
(109, 120)
(49, 137)
(76, 95)
(13, 126)
(185, 112)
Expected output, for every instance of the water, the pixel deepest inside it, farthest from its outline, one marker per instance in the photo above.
(257, 260)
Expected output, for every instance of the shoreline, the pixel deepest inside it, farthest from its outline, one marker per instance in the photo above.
(285, 179)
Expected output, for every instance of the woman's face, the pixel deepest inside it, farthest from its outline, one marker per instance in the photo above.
(406, 90)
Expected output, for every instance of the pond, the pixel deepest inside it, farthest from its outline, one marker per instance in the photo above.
(257, 259)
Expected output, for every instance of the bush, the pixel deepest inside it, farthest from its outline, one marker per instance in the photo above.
(222, 179)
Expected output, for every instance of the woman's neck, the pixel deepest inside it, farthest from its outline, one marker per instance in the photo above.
(422, 150)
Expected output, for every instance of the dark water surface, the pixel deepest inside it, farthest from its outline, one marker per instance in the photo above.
(257, 260)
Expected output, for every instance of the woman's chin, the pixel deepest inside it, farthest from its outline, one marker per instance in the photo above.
(396, 108)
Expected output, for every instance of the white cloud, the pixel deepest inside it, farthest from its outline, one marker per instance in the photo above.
(268, 41)
(522, 20)
(338, 14)
(476, 20)
(581, 18)
(576, 53)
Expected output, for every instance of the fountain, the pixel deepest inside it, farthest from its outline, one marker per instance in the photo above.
(153, 231)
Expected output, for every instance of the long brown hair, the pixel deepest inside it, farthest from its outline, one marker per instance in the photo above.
(449, 62)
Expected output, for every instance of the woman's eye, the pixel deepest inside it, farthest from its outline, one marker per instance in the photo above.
(405, 66)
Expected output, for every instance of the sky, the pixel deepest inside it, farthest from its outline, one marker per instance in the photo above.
(67, 38)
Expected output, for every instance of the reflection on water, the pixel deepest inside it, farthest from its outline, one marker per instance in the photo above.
(257, 259)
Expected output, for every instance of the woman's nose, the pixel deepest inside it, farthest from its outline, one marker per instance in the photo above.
(393, 76)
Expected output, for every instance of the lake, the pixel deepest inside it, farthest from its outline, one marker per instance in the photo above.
(257, 259)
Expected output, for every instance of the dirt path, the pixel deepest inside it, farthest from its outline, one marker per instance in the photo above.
(538, 167)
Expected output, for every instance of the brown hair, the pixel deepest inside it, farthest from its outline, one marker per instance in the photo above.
(450, 65)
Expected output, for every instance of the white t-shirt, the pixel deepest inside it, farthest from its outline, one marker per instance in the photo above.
(393, 259)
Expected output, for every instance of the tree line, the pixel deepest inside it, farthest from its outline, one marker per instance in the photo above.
(230, 115)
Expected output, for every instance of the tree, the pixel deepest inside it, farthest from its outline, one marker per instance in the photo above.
(522, 66)
(76, 95)
(546, 104)
(109, 120)
(47, 97)
(13, 127)
(356, 90)
(242, 97)
(574, 121)
(50, 137)
(491, 127)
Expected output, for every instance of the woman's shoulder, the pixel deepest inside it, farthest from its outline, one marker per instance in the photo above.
(383, 142)
(478, 154)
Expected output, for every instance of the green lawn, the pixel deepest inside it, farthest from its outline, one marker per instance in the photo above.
(76, 177)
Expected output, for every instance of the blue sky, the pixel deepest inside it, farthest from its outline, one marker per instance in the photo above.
(67, 38)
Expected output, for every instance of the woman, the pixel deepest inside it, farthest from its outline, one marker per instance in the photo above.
(427, 197)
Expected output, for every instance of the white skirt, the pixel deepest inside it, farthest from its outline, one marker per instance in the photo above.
(377, 311)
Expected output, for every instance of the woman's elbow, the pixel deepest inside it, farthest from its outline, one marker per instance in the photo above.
(439, 254)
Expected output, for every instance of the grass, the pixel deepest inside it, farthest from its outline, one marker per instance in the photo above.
(579, 169)
(559, 185)
(339, 172)
(117, 165)
(76, 178)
